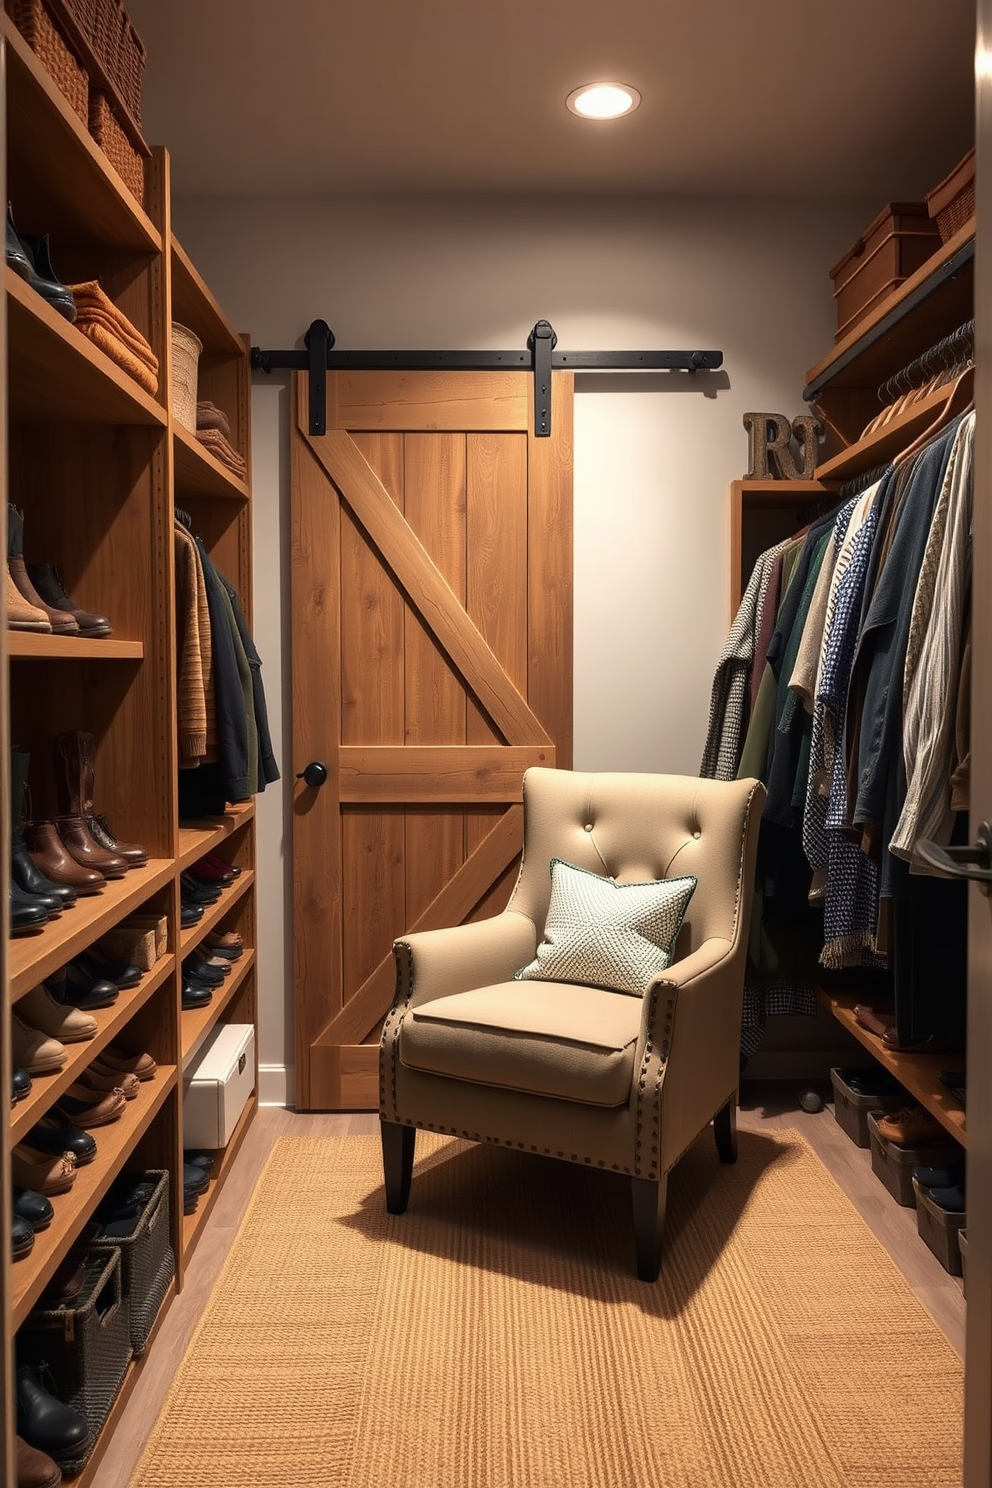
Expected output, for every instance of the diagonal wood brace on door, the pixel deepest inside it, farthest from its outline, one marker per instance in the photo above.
(541, 358)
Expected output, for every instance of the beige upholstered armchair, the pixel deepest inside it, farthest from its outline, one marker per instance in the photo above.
(574, 1068)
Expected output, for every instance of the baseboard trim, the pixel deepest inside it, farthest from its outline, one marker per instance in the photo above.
(276, 1085)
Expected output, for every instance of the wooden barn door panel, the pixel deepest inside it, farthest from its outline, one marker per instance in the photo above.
(432, 627)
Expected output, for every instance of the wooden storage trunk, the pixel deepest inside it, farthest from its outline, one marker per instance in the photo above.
(894, 245)
(952, 203)
(939, 1230)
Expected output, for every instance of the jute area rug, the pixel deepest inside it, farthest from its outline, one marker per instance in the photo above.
(494, 1336)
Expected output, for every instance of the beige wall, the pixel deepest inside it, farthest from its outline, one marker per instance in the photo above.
(653, 455)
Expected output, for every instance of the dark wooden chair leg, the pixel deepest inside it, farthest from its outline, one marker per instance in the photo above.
(648, 1200)
(725, 1131)
(398, 1143)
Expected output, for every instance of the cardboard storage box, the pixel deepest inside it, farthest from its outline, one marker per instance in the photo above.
(894, 245)
(895, 1164)
(219, 1084)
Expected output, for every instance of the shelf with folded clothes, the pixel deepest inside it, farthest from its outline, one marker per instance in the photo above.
(55, 165)
(31, 958)
(58, 375)
(919, 1073)
(115, 1141)
(196, 1023)
(193, 1223)
(111, 1028)
(198, 838)
(198, 472)
(231, 895)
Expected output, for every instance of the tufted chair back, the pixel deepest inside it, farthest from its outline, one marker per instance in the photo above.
(635, 828)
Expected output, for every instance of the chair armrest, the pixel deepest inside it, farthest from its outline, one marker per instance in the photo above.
(440, 963)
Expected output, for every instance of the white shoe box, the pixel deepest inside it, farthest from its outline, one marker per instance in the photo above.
(218, 1085)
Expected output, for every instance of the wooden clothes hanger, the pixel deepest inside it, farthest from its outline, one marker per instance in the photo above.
(960, 398)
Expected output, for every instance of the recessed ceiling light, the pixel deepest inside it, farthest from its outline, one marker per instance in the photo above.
(603, 100)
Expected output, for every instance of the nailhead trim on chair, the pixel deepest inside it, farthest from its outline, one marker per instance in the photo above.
(393, 1024)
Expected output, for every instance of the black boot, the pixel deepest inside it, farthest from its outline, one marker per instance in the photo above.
(24, 872)
(26, 912)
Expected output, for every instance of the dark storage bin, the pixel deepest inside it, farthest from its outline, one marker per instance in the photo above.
(86, 1344)
(895, 1165)
(851, 1108)
(894, 245)
(939, 1230)
(963, 1252)
(147, 1260)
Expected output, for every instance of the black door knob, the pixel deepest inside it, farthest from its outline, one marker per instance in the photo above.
(315, 773)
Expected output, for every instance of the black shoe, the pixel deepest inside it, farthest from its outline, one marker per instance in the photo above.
(21, 1238)
(44, 1421)
(195, 969)
(192, 892)
(20, 1085)
(75, 987)
(196, 1178)
(54, 1138)
(189, 915)
(26, 912)
(123, 974)
(195, 995)
(42, 277)
(33, 1207)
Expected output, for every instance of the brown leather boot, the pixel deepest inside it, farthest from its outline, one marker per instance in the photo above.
(49, 853)
(133, 853)
(75, 772)
(48, 583)
(61, 622)
(20, 614)
(80, 845)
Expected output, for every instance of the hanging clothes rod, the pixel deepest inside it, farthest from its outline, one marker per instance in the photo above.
(318, 358)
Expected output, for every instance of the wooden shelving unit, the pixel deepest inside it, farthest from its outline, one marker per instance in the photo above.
(98, 466)
(763, 513)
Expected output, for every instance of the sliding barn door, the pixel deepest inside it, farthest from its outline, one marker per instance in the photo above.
(431, 665)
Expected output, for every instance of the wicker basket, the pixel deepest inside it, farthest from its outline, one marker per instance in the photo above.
(36, 25)
(116, 144)
(147, 1260)
(109, 47)
(186, 348)
(952, 203)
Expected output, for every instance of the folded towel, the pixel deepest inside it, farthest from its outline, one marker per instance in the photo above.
(114, 348)
(93, 304)
(209, 416)
(214, 441)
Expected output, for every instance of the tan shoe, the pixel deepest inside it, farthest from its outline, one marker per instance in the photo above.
(20, 614)
(57, 1019)
(84, 1106)
(124, 1062)
(34, 1051)
(40, 1172)
(100, 1078)
(910, 1127)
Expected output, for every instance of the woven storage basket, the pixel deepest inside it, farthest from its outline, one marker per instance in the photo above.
(109, 47)
(128, 161)
(147, 1260)
(87, 1346)
(39, 30)
(952, 203)
(186, 348)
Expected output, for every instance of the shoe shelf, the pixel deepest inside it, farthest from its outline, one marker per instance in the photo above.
(31, 958)
(918, 1072)
(199, 473)
(878, 447)
(28, 645)
(116, 1141)
(193, 1223)
(198, 838)
(46, 1089)
(232, 894)
(62, 377)
(54, 163)
(196, 1023)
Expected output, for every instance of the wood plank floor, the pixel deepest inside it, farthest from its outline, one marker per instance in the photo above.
(761, 1107)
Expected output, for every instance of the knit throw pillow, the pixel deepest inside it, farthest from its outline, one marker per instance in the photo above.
(606, 934)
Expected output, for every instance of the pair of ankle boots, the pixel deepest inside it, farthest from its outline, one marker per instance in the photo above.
(56, 858)
(36, 599)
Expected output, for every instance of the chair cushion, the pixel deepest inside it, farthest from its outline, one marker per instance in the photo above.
(576, 1043)
(606, 934)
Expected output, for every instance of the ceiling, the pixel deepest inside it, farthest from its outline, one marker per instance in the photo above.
(758, 97)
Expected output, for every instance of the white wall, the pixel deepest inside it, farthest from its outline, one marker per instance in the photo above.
(654, 455)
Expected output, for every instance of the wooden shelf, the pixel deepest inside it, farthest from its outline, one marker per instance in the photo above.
(196, 1023)
(29, 645)
(73, 1209)
(874, 360)
(918, 1072)
(198, 838)
(53, 162)
(199, 473)
(214, 913)
(61, 376)
(31, 958)
(194, 305)
(878, 447)
(46, 1089)
(193, 1223)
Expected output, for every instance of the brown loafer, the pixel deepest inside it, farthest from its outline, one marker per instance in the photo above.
(85, 1107)
(100, 1078)
(35, 1469)
(910, 1127)
(113, 1057)
(41, 1173)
